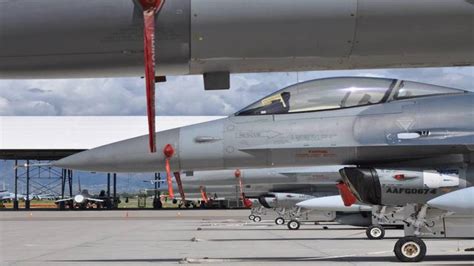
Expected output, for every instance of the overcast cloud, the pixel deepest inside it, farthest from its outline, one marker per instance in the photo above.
(182, 95)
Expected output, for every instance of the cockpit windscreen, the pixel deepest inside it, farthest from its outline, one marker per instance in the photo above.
(322, 94)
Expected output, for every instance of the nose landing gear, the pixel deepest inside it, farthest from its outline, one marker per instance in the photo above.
(375, 232)
(279, 221)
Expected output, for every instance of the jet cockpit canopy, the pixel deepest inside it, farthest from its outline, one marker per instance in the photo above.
(337, 93)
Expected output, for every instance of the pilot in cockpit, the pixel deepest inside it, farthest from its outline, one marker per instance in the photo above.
(275, 104)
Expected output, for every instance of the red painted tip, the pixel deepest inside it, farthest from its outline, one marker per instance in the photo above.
(237, 173)
(168, 151)
(399, 177)
(347, 197)
(247, 203)
(148, 4)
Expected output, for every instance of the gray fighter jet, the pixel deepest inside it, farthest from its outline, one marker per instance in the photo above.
(372, 122)
(117, 38)
(82, 200)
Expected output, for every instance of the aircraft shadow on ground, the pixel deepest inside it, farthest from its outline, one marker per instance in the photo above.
(294, 239)
(282, 228)
(432, 258)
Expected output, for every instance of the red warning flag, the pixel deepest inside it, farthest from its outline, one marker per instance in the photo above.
(150, 9)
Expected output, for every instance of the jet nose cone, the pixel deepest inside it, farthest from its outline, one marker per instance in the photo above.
(130, 155)
(330, 203)
(304, 204)
(460, 201)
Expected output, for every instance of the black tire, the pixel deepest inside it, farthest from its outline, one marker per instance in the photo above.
(279, 221)
(257, 219)
(410, 249)
(293, 225)
(375, 232)
(251, 216)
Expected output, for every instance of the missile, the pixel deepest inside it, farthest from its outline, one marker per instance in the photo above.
(331, 203)
(460, 201)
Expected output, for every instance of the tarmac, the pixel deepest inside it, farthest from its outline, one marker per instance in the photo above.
(216, 237)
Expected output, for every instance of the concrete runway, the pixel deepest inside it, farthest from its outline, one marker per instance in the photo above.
(194, 236)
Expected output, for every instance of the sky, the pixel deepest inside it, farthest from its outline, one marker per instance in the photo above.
(182, 95)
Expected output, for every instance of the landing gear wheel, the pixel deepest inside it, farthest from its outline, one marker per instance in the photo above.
(257, 219)
(375, 232)
(251, 217)
(410, 249)
(279, 221)
(293, 225)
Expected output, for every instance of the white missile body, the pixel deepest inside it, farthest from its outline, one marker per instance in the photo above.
(331, 203)
(459, 201)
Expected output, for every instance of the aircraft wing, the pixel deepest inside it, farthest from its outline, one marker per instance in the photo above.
(63, 200)
(96, 200)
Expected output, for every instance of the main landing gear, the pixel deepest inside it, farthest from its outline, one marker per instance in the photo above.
(410, 249)
(293, 225)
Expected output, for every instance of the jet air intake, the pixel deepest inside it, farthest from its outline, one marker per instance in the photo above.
(264, 200)
(364, 183)
(398, 186)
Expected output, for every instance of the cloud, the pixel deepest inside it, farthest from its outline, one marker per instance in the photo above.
(183, 95)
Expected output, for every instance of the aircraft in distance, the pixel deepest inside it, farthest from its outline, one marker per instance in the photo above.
(47, 197)
(82, 200)
(9, 196)
(436, 204)
(374, 123)
(215, 38)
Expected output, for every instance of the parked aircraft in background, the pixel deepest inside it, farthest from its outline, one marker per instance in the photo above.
(82, 200)
(7, 196)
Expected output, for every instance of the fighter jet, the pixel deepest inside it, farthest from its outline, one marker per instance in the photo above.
(374, 123)
(82, 200)
(371, 122)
